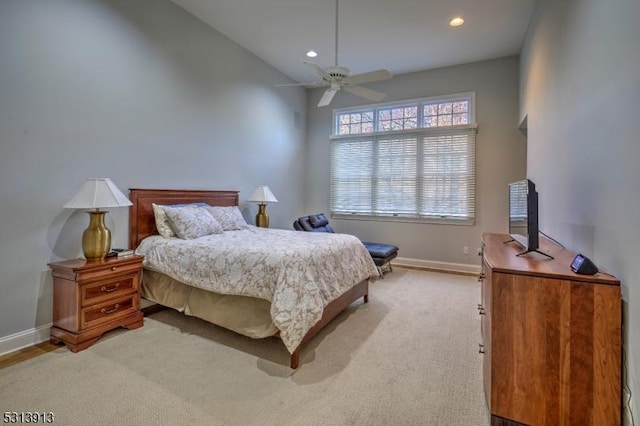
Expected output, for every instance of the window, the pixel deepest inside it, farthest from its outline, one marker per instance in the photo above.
(413, 160)
(356, 122)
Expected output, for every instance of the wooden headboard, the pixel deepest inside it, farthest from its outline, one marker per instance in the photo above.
(141, 220)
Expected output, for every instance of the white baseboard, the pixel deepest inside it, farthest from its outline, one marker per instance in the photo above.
(25, 338)
(437, 265)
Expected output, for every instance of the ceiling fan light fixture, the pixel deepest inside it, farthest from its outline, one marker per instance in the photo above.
(457, 21)
(312, 54)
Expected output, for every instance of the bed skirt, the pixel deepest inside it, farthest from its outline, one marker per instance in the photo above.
(245, 315)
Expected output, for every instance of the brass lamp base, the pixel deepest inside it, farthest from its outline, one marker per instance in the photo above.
(262, 218)
(96, 239)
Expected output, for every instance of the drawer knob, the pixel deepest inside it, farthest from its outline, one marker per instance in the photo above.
(113, 268)
(110, 311)
(106, 289)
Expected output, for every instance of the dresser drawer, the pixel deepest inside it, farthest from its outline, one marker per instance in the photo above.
(109, 289)
(109, 311)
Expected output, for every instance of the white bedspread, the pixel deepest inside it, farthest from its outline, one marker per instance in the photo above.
(298, 272)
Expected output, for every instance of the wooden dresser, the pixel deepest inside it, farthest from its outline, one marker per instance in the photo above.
(551, 338)
(93, 297)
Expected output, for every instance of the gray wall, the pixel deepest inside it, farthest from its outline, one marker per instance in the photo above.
(580, 92)
(138, 91)
(501, 151)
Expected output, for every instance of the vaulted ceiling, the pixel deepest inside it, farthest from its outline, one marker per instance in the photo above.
(402, 35)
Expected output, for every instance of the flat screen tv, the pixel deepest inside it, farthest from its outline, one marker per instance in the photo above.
(523, 214)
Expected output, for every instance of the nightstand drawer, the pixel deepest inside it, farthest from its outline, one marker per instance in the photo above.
(109, 289)
(111, 268)
(109, 311)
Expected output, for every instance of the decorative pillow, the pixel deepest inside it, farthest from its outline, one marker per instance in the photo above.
(192, 222)
(162, 223)
(229, 217)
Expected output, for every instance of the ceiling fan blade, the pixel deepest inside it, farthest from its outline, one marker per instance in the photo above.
(315, 66)
(367, 77)
(365, 93)
(327, 96)
(313, 83)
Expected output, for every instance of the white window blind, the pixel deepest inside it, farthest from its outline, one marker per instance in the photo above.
(422, 173)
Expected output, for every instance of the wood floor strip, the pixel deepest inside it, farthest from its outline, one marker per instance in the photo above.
(24, 354)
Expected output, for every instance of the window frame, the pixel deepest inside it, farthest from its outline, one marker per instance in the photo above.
(420, 103)
(463, 96)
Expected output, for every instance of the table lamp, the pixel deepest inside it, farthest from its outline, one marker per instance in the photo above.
(262, 195)
(95, 194)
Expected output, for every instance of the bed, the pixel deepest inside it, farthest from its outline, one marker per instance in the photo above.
(290, 299)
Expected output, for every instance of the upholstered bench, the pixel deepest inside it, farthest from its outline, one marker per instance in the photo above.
(382, 254)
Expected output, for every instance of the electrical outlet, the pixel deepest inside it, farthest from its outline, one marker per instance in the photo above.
(479, 251)
(465, 250)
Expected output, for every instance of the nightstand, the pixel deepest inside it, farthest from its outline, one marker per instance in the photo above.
(93, 297)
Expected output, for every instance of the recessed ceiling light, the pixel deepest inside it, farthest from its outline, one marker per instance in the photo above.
(456, 22)
(312, 54)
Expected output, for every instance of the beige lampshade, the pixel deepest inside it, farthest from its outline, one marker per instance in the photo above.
(98, 193)
(262, 194)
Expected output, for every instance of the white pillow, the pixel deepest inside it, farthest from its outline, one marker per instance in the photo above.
(192, 222)
(229, 217)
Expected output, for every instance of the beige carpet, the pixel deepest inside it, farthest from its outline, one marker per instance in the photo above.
(408, 357)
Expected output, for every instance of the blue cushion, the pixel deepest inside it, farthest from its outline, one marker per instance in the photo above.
(313, 223)
(380, 250)
(317, 220)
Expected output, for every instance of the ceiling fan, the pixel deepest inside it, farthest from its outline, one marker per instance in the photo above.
(340, 78)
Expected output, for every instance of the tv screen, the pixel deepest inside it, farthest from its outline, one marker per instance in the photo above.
(523, 214)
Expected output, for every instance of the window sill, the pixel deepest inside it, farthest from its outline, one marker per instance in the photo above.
(432, 221)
